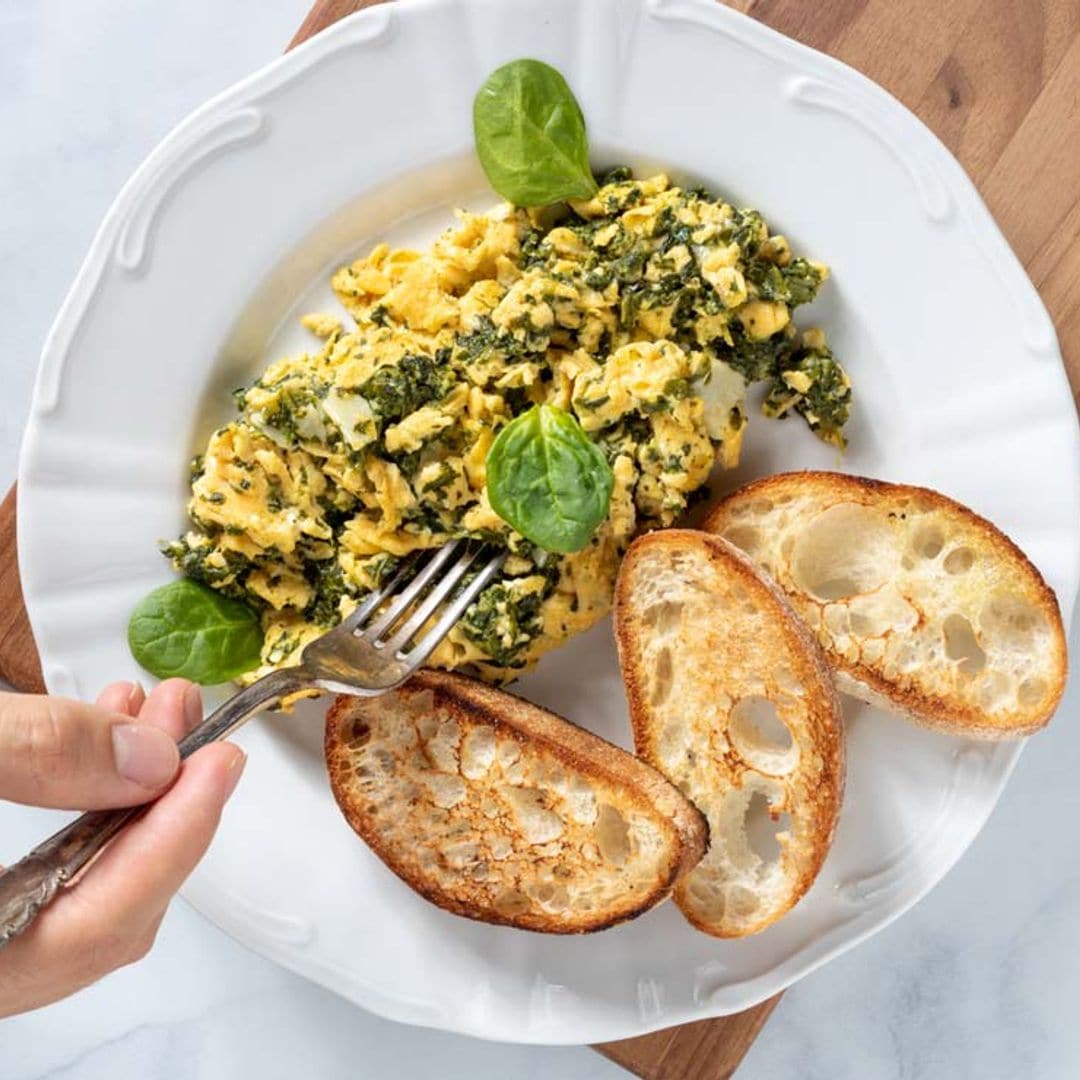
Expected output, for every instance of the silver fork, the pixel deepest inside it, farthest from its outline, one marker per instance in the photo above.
(372, 651)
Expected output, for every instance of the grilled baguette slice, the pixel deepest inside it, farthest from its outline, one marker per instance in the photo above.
(500, 811)
(732, 700)
(921, 606)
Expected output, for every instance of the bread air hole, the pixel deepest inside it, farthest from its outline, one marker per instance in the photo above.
(663, 675)
(845, 551)
(742, 902)
(360, 735)
(444, 791)
(421, 704)
(1012, 621)
(993, 689)
(478, 751)
(707, 897)
(929, 540)
(746, 537)
(510, 903)
(539, 824)
(761, 830)
(612, 835)
(663, 617)
(959, 561)
(551, 896)
(1030, 692)
(760, 737)
(962, 645)
(787, 682)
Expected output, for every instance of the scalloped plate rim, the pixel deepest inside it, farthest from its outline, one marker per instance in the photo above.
(294, 64)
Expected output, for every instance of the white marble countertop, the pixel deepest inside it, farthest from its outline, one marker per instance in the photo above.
(980, 980)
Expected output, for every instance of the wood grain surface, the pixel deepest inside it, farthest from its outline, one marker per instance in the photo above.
(999, 83)
(19, 664)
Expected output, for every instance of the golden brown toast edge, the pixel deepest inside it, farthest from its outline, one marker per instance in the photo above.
(580, 750)
(927, 710)
(824, 713)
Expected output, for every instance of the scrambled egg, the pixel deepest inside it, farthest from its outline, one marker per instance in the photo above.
(644, 312)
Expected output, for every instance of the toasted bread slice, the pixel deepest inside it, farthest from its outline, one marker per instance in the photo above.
(498, 810)
(732, 700)
(922, 606)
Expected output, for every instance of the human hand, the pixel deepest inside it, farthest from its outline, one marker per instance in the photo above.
(119, 752)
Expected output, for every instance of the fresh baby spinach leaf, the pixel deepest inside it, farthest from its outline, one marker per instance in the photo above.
(186, 629)
(530, 136)
(548, 480)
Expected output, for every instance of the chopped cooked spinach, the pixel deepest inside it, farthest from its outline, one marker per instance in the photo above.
(330, 586)
(198, 558)
(396, 390)
(502, 622)
(794, 284)
(817, 387)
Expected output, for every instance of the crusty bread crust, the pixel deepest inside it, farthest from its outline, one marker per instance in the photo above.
(401, 833)
(911, 694)
(812, 790)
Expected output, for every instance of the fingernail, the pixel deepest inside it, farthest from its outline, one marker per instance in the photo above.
(193, 707)
(235, 771)
(136, 697)
(144, 754)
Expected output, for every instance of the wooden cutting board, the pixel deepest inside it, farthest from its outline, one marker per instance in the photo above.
(999, 82)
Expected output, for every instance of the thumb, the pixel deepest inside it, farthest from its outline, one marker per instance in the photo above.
(60, 753)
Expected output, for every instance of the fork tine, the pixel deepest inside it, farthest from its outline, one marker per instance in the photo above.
(372, 601)
(438, 594)
(411, 593)
(453, 611)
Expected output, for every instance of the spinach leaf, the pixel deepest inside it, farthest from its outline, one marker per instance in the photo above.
(186, 629)
(548, 480)
(530, 136)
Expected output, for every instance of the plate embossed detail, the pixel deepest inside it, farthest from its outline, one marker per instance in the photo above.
(922, 376)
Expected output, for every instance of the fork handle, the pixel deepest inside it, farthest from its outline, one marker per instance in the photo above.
(240, 708)
(31, 883)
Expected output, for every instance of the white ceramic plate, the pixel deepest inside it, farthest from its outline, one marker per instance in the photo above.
(228, 232)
